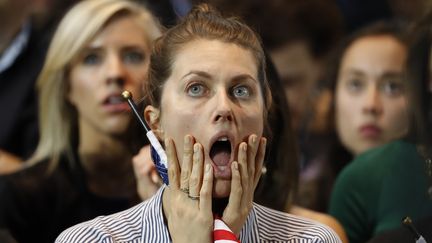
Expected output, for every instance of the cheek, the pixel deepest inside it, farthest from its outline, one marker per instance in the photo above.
(253, 121)
(397, 117)
(81, 88)
(138, 76)
(345, 114)
(176, 122)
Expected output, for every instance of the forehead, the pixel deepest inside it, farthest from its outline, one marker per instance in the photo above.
(215, 57)
(384, 47)
(123, 29)
(375, 54)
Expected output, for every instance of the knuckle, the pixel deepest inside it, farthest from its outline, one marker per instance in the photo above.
(188, 151)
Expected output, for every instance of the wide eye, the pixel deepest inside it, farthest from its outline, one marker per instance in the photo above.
(241, 91)
(92, 59)
(196, 90)
(133, 57)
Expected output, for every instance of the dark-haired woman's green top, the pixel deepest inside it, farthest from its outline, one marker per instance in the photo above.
(380, 187)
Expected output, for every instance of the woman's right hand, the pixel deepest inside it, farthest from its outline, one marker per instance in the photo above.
(188, 204)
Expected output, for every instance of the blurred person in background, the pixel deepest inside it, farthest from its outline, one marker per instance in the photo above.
(24, 39)
(82, 167)
(369, 95)
(386, 180)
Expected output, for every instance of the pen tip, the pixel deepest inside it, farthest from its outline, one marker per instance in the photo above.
(407, 221)
(126, 94)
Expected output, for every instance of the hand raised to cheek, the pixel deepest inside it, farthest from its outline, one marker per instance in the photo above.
(190, 216)
(246, 172)
(189, 207)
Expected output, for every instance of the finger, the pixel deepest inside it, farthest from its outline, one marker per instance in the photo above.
(253, 145)
(187, 162)
(242, 164)
(173, 165)
(207, 189)
(139, 163)
(260, 160)
(155, 178)
(197, 171)
(236, 193)
(144, 160)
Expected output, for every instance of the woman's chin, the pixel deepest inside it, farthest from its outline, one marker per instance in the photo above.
(221, 188)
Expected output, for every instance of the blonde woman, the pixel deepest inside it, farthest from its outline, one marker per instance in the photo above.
(82, 167)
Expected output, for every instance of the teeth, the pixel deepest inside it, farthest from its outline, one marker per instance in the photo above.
(223, 139)
(115, 100)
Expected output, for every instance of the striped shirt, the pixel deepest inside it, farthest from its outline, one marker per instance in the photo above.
(145, 223)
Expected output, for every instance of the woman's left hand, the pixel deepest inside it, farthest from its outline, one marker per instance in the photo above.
(246, 172)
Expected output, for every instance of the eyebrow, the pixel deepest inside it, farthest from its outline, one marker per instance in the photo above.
(199, 73)
(207, 75)
(389, 73)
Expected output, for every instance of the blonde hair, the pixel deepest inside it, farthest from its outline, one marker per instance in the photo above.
(57, 117)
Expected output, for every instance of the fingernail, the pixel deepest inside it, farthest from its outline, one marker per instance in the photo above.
(155, 178)
(254, 138)
(235, 165)
(244, 147)
(186, 140)
(264, 141)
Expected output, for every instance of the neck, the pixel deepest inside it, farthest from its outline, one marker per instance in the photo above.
(107, 161)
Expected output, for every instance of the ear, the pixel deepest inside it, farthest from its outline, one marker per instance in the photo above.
(152, 117)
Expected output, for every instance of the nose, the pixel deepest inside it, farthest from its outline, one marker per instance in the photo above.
(372, 103)
(224, 105)
(115, 71)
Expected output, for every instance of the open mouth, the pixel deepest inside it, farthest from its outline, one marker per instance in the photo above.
(115, 104)
(114, 100)
(220, 152)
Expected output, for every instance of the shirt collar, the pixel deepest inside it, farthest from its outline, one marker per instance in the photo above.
(16, 48)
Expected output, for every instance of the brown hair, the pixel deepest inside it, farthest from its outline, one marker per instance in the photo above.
(202, 22)
(420, 76)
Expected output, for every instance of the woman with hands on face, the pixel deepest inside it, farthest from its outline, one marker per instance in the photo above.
(209, 98)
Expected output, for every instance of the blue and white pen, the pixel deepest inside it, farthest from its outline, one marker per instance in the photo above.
(157, 152)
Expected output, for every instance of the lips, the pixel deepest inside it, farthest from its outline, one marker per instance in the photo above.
(370, 131)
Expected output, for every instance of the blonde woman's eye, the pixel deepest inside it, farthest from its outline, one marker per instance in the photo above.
(92, 59)
(133, 57)
(241, 92)
(196, 90)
